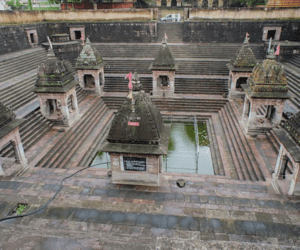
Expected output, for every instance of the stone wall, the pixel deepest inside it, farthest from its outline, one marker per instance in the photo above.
(245, 13)
(235, 31)
(77, 15)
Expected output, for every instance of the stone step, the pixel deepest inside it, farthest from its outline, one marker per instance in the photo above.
(119, 84)
(195, 51)
(184, 67)
(74, 136)
(294, 86)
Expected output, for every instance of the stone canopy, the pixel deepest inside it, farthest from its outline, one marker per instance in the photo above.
(244, 59)
(54, 75)
(89, 57)
(267, 80)
(164, 59)
(8, 121)
(137, 122)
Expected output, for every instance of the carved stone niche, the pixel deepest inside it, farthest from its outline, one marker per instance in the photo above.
(32, 36)
(77, 32)
(273, 32)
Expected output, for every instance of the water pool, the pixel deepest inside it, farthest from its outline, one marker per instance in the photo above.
(188, 151)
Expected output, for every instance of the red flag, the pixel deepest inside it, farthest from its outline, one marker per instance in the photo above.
(277, 50)
(129, 76)
(247, 34)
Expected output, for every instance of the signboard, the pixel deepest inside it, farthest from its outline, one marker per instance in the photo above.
(134, 163)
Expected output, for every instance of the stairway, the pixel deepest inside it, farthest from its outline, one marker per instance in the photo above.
(189, 104)
(195, 51)
(119, 84)
(173, 31)
(18, 65)
(31, 131)
(295, 61)
(75, 140)
(184, 67)
(17, 95)
(244, 159)
(294, 87)
(203, 86)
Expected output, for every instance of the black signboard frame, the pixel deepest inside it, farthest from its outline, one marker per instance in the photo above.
(134, 164)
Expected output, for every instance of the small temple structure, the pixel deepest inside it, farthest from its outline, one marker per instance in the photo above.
(286, 176)
(90, 69)
(266, 89)
(55, 87)
(9, 133)
(240, 69)
(163, 71)
(137, 140)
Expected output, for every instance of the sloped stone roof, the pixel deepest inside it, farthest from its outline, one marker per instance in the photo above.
(138, 120)
(164, 59)
(244, 58)
(54, 75)
(6, 115)
(268, 76)
(89, 56)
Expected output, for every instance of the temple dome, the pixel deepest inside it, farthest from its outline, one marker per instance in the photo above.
(89, 56)
(164, 59)
(138, 120)
(244, 57)
(268, 76)
(54, 72)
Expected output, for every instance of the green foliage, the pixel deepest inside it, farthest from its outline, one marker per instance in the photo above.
(190, 131)
(171, 146)
(251, 2)
(202, 134)
(14, 4)
(47, 8)
(20, 209)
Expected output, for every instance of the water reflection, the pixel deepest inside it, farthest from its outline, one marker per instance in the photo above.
(183, 154)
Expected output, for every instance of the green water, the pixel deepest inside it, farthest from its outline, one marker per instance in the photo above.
(183, 155)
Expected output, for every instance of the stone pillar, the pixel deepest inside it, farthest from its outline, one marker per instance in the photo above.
(80, 78)
(19, 151)
(74, 101)
(220, 3)
(43, 106)
(246, 108)
(97, 84)
(154, 84)
(158, 3)
(95, 5)
(172, 83)
(65, 109)
(278, 116)
(102, 77)
(252, 113)
(169, 3)
(280, 166)
(210, 3)
(1, 169)
(178, 3)
(200, 3)
(296, 178)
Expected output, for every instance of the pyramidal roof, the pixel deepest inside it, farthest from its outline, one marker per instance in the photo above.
(244, 57)
(54, 75)
(164, 59)
(89, 56)
(138, 121)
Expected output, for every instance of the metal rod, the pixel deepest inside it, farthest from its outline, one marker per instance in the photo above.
(197, 142)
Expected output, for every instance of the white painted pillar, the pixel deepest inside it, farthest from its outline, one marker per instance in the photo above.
(97, 84)
(102, 77)
(296, 178)
(80, 78)
(1, 169)
(154, 84)
(74, 101)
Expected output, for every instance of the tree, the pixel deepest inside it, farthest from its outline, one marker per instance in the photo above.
(242, 3)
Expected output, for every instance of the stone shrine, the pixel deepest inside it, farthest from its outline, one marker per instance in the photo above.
(287, 175)
(55, 87)
(163, 71)
(240, 69)
(90, 69)
(266, 89)
(137, 140)
(9, 133)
